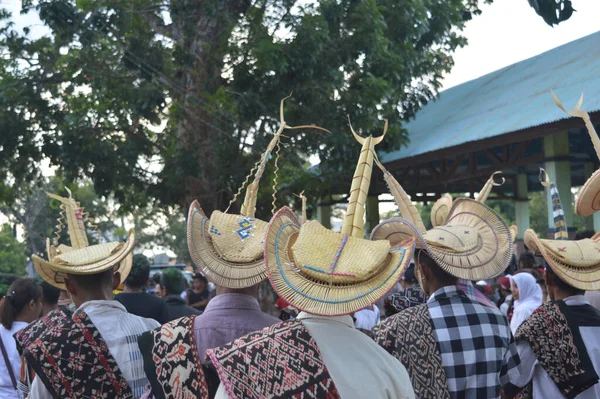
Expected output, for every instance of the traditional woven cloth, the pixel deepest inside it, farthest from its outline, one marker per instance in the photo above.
(33, 331)
(409, 337)
(557, 344)
(73, 361)
(171, 361)
(405, 298)
(281, 361)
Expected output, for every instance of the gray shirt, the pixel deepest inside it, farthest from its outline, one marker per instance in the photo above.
(226, 318)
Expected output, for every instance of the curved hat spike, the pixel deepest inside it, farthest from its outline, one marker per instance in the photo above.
(487, 188)
(353, 223)
(73, 212)
(405, 205)
(560, 226)
(577, 112)
(303, 198)
(249, 205)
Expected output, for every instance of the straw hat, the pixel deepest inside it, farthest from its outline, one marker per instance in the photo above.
(441, 208)
(588, 201)
(575, 262)
(81, 258)
(474, 243)
(327, 273)
(514, 231)
(229, 248)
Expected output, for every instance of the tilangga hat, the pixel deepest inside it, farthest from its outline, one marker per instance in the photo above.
(473, 243)
(588, 201)
(229, 248)
(81, 258)
(328, 273)
(576, 262)
(441, 207)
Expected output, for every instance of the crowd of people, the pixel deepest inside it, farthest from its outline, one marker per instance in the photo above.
(410, 312)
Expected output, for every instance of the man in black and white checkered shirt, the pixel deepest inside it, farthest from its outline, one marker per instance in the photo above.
(454, 332)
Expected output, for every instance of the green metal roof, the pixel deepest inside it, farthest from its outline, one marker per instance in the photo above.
(508, 100)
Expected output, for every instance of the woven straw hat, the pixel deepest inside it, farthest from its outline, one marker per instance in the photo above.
(441, 208)
(474, 243)
(575, 262)
(588, 201)
(514, 231)
(81, 258)
(229, 248)
(327, 273)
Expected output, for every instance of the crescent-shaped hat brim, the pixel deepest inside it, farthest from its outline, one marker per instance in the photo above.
(318, 297)
(488, 259)
(583, 278)
(121, 261)
(213, 266)
(588, 201)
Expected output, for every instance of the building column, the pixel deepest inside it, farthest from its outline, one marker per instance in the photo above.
(521, 205)
(559, 171)
(324, 214)
(592, 222)
(372, 217)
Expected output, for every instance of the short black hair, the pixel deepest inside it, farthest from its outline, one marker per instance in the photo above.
(50, 293)
(199, 276)
(140, 272)
(172, 280)
(441, 275)
(409, 274)
(90, 282)
(562, 284)
(584, 234)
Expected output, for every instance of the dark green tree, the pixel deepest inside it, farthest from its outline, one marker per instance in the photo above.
(173, 100)
(12, 252)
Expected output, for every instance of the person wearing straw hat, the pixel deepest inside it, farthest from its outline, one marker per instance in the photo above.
(100, 332)
(327, 276)
(454, 346)
(558, 344)
(229, 250)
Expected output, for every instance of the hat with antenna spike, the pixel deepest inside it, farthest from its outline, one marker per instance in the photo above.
(80, 257)
(441, 208)
(327, 273)
(588, 200)
(229, 248)
(576, 262)
(472, 244)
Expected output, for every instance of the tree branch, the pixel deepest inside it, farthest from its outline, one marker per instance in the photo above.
(158, 25)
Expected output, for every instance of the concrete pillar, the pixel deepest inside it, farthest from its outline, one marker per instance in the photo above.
(521, 205)
(372, 218)
(559, 171)
(592, 222)
(324, 215)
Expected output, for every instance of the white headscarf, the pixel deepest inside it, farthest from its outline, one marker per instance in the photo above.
(530, 298)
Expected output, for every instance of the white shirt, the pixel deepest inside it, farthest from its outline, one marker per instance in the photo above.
(543, 386)
(358, 366)
(6, 386)
(506, 304)
(119, 330)
(367, 318)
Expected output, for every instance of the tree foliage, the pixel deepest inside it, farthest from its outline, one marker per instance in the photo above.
(173, 100)
(12, 253)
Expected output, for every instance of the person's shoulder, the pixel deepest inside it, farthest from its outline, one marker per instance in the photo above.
(143, 323)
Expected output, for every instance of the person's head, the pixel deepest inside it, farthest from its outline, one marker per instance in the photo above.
(431, 276)
(251, 291)
(22, 302)
(504, 286)
(200, 282)
(50, 295)
(139, 274)
(557, 288)
(408, 278)
(584, 234)
(88, 287)
(171, 282)
(523, 286)
(527, 260)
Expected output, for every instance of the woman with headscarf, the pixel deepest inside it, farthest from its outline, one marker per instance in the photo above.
(527, 297)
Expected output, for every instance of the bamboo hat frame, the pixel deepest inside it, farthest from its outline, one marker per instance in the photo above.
(80, 257)
(327, 273)
(474, 243)
(229, 248)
